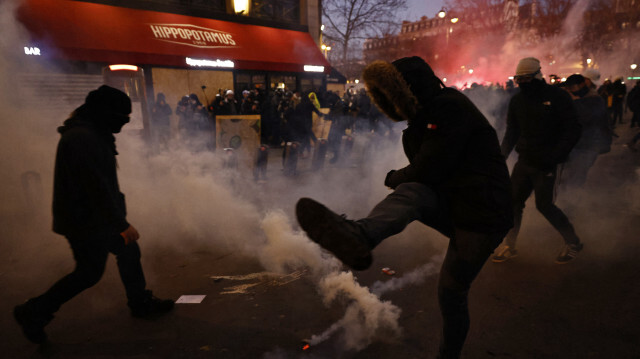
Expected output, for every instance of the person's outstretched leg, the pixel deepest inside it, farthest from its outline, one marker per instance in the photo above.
(407, 203)
(352, 241)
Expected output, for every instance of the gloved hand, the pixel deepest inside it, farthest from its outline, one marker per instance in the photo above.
(130, 235)
(387, 180)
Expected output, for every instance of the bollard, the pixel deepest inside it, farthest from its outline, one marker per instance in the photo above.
(319, 154)
(262, 159)
(291, 158)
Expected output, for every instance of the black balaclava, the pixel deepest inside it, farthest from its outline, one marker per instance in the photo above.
(533, 88)
(109, 107)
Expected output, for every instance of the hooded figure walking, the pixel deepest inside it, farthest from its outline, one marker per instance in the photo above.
(89, 210)
(457, 182)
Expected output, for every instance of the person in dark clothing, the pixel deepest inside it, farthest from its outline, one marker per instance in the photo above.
(89, 210)
(200, 114)
(633, 102)
(229, 104)
(618, 91)
(340, 121)
(289, 127)
(543, 126)
(457, 182)
(596, 133)
(184, 111)
(363, 122)
(160, 114)
(303, 114)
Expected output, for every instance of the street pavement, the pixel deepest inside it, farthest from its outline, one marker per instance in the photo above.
(529, 307)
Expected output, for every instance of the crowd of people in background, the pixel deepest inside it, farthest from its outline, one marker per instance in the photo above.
(286, 117)
(286, 114)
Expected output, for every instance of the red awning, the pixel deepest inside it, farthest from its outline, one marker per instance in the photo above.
(102, 33)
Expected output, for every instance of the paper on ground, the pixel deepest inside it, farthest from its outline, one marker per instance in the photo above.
(190, 299)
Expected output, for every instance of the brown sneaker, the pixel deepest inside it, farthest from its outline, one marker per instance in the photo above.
(504, 254)
(568, 253)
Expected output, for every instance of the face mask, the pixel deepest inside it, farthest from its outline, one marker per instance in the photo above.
(116, 121)
(531, 88)
(580, 93)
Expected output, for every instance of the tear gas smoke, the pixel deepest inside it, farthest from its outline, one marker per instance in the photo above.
(367, 317)
(364, 317)
(416, 276)
(559, 54)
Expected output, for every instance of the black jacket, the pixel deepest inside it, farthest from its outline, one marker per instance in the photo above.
(542, 128)
(453, 149)
(592, 113)
(86, 195)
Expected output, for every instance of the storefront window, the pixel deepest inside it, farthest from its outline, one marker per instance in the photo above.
(208, 5)
(281, 10)
(258, 81)
(311, 84)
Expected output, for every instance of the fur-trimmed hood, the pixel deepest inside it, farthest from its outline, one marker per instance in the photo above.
(400, 88)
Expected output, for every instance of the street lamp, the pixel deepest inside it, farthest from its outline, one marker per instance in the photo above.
(325, 48)
(442, 13)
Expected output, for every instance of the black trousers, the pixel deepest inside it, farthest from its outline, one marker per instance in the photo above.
(526, 179)
(466, 254)
(90, 253)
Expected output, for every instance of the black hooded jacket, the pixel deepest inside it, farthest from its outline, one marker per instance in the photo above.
(543, 127)
(450, 145)
(86, 195)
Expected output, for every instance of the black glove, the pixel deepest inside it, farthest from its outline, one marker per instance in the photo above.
(387, 180)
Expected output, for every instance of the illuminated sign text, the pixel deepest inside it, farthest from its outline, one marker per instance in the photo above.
(192, 35)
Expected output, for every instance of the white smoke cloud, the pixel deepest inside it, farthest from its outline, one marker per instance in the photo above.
(365, 317)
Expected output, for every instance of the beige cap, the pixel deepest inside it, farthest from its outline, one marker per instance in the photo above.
(529, 66)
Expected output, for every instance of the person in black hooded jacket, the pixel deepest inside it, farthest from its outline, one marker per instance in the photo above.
(457, 182)
(89, 210)
(543, 126)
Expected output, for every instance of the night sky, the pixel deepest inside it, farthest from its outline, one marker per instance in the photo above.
(418, 8)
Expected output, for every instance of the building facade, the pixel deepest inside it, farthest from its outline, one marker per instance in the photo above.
(565, 38)
(177, 47)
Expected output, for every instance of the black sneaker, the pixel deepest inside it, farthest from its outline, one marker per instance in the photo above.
(338, 235)
(568, 253)
(151, 307)
(32, 322)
